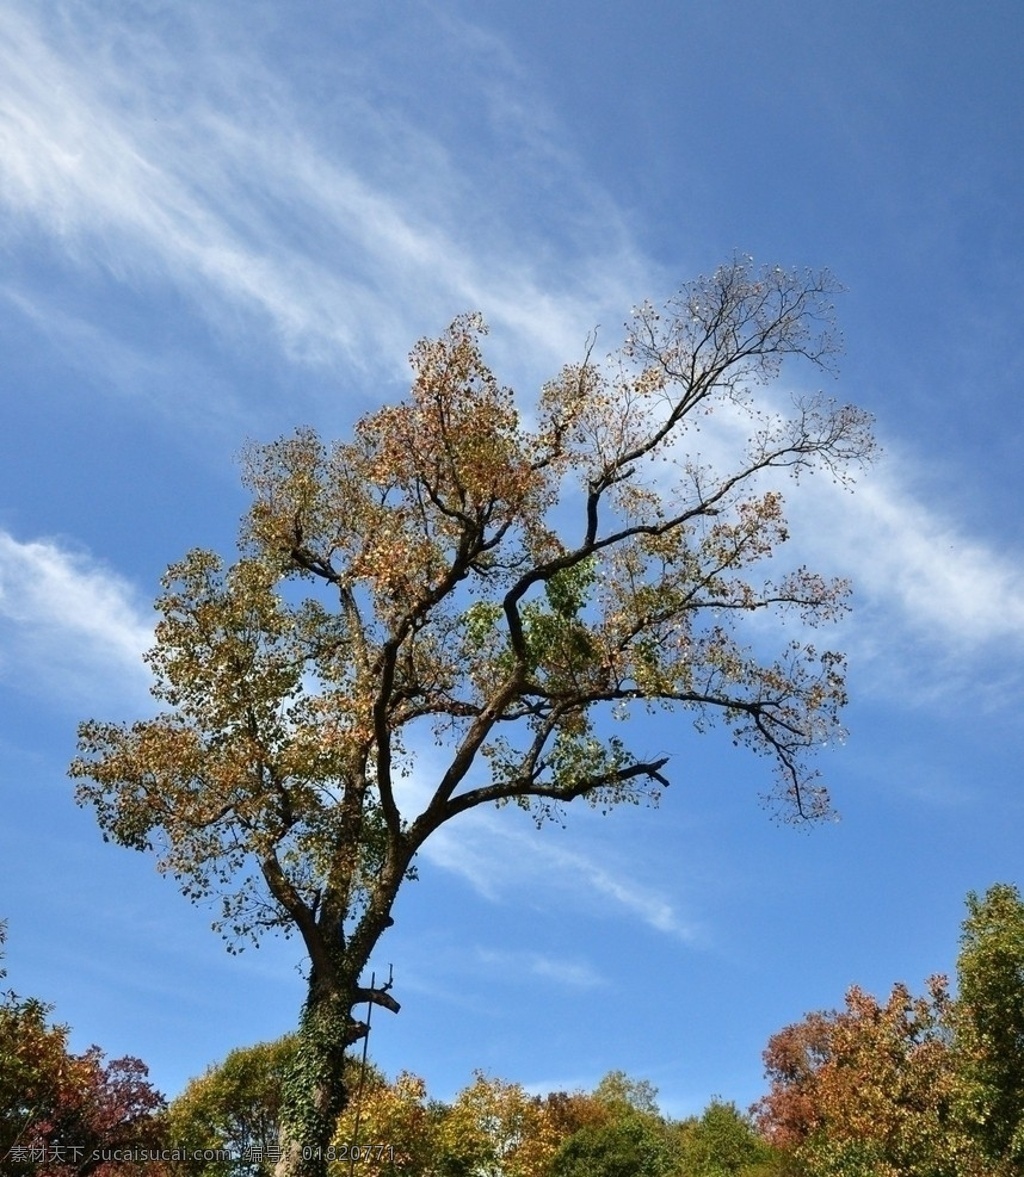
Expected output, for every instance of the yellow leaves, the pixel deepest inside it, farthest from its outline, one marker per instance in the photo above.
(564, 402)
(387, 1129)
(494, 1127)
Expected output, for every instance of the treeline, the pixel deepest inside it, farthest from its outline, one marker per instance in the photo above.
(912, 1086)
(491, 1128)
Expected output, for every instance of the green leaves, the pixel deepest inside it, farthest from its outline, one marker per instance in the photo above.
(722, 1142)
(568, 589)
(989, 1019)
(626, 1136)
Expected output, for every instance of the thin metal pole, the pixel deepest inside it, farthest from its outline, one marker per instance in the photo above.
(359, 1086)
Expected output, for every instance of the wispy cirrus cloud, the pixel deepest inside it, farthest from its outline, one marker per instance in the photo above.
(948, 584)
(937, 610)
(529, 966)
(495, 858)
(68, 624)
(919, 575)
(173, 155)
(186, 159)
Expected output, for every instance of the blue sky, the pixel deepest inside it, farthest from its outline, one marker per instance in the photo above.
(222, 221)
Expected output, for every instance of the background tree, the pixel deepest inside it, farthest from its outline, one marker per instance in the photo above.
(627, 1136)
(569, 1111)
(236, 1107)
(34, 1066)
(791, 1111)
(388, 1129)
(925, 1085)
(493, 1129)
(57, 1108)
(450, 574)
(617, 1093)
(723, 1142)
(873, 1090)
(989, 1021)
(109, 1106)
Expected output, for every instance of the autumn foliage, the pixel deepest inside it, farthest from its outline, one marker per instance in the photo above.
(914, 1086)
(508, 590)
(875, 1081)
(62, 1114)
(491, 1128)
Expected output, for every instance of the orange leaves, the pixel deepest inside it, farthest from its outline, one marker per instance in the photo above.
(454, 449)
(440, 476)
(57, 1107)
(876, 1081)
(461, 432)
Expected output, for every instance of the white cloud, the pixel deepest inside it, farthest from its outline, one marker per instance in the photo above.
(946, 584)
(69, 624)
(650, 905)
(574, 974)
(209, 173)
(490, 853)
(937, 611)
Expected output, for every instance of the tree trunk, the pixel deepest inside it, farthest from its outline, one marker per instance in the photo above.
(314, 1090)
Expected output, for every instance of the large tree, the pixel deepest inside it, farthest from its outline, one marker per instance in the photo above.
(503, 588)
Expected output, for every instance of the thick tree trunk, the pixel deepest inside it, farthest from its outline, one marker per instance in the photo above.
(314, 1093)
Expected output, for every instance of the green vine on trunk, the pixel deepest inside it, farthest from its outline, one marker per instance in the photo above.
(315, 1093)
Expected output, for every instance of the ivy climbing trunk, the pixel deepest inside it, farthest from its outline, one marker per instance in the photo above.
(315, 1093)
